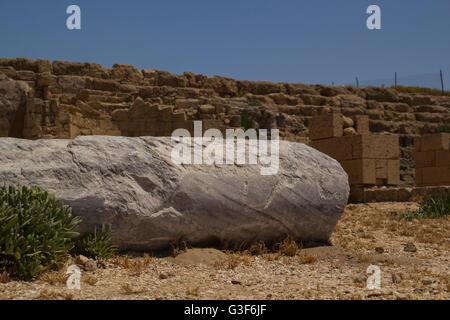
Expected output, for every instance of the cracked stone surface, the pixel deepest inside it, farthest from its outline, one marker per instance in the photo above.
(132, 184)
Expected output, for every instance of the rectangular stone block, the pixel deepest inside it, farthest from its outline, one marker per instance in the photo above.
(376, 146)
(419, 180)
(212, 124)
(381, 169)
(356, 194)
(182, 124)
(85, 132)
(362, 124)
(326, 126)
(417, 144)
(393, 172)
(443, 158)
(382, 195)
(153, 112)
(99, 132)
(116, 133)
(360, 171)
(438, 141)
(165, 114)
(424, 159)
(189, 125)
(106, 124)
(179, 116)
(186, 103)
(339, 148)
(436, 176)
(164, 129)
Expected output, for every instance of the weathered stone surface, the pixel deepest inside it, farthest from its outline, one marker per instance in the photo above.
(132, 184)
(14, 96)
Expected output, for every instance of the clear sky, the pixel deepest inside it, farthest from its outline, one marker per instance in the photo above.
(314, 41)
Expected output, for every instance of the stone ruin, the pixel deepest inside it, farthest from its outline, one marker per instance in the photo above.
(368, 159)
(432, 160)
(43, 99)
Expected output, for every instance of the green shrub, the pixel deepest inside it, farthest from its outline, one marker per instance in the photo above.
(97, 245)
(247, 121)
(443, 128)
(240, 94)
(254, 104)
(431, 207)
(35, 231)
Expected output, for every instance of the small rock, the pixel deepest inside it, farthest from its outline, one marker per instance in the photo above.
(349, 132)
(348, 122)
(396, 278)
(400, 296)
(360, 279)
(86, 263)
(236, 282)
(379, 249)
(82, 260)
(427, 282)
(163, 276)
(410, 247)
(90, 265)
(375, 294)
(101, 263)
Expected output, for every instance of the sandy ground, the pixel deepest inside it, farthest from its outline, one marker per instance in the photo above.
(367, 234)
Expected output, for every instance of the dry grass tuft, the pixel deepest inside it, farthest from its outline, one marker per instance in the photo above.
(134, 264)
(128, 289)
(89, 280)
(55, 277)
(258, 248)
(193, 291)
(362, 258)
(47, 294)
(288, 247)
(234, 260)
(306, 258)
(178, 246)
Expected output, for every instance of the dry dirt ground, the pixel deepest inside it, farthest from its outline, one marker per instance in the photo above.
(367, 234)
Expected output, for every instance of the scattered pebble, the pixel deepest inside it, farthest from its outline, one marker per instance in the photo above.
(410, 247)
(379, 249)
(427, 282)
(396, 278)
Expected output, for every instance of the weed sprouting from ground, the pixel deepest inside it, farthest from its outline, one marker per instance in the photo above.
(97, 245)
(431, 207)
(288, 247)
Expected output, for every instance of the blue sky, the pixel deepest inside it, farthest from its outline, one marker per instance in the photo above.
(320, 41)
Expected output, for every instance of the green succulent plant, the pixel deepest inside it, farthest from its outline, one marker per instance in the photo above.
(36, 231)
